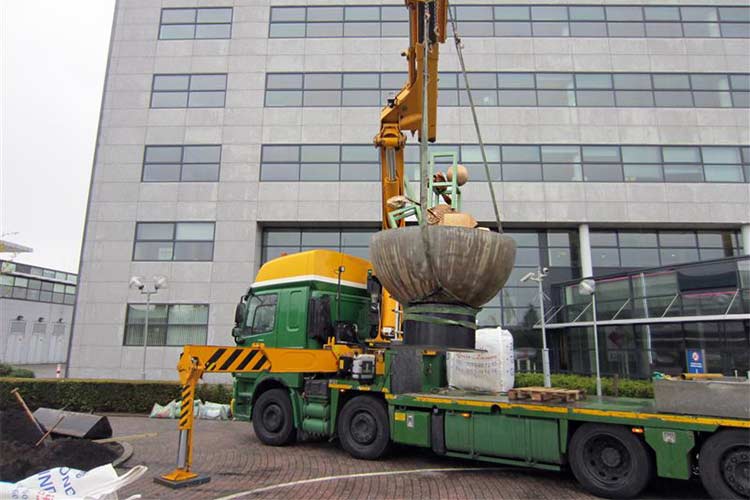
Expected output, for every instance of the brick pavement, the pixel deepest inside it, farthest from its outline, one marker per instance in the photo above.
(236, 461)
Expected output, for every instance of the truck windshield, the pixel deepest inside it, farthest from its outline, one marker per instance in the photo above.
(261, 312)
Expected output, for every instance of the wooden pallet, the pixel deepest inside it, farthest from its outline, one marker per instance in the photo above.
(546, 394)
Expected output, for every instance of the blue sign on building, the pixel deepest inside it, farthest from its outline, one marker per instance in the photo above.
(695, 362)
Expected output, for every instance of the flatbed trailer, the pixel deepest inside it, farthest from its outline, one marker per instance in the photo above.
(614, 446)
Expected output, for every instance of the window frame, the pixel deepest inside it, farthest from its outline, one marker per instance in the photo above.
(520, 89)
(526, 20)
(169, 306)
(173, 241)
(196, 22)
(532, 161)
(181, 162)
(188, 91)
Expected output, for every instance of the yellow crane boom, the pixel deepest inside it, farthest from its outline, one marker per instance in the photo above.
(405, 112)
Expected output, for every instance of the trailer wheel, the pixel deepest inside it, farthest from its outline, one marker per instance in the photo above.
(273, 420)
(609, 461)
(724, 464)
(363, 428)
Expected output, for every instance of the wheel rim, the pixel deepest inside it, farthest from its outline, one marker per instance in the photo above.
(607, 460)
(735, 469)
(364, 428)
(273, 417)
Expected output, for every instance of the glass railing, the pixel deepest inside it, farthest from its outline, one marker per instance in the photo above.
(710, 288)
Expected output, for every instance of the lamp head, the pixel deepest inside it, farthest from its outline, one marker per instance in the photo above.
(136, 282)
(159, 282)
(527, 277)
(587, 287)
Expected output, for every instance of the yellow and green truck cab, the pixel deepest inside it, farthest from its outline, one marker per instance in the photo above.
(298, 301)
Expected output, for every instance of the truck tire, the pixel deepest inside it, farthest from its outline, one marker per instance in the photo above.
(273, 420)
(724, 464)
(363, 428)
(610, 461)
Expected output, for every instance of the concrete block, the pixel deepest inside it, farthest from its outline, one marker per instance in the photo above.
(717, 398)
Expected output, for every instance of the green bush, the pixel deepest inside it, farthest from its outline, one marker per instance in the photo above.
(21, 373)
(102, 395)
(9, 371)
(627, 387)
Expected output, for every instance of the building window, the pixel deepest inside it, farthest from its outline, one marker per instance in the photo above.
(519, 21)
(696, 90)
(189, 91)
(22, 288)
(181, 163)
(615, 250)
(177, 241)
(283, 241)
(517, 163)
(168, 324)
(200, 23)
(325, 162)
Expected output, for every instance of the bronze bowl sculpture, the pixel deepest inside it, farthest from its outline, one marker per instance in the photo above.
(441, 275)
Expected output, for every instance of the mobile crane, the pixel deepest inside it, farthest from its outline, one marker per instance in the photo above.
(316, 352)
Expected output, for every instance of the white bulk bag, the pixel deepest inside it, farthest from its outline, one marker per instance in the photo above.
(490, 371)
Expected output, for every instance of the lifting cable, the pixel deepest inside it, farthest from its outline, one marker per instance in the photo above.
(459, 50)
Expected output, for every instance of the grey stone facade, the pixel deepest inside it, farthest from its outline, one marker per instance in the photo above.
(241, 206)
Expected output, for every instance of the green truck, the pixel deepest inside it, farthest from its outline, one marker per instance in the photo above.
(316, 369)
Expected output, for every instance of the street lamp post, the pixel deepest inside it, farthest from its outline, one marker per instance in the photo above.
(588, 287)
(539, 276)
(157, 283)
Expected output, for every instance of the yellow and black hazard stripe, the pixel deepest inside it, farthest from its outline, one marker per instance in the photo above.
(186, 407)
(238, 359)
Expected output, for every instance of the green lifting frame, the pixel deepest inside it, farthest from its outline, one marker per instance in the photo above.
(449, 188)
(436, 190)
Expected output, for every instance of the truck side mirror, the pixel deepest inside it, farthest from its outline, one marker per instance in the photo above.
(239, 313)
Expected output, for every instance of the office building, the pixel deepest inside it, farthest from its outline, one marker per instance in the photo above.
(232, 131)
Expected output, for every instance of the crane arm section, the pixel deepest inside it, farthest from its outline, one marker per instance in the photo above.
(405, 111)
(196, 360)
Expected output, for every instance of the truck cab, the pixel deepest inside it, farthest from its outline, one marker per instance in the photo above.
(299, 301)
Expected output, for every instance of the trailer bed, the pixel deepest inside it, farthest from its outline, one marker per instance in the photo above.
(631, 411)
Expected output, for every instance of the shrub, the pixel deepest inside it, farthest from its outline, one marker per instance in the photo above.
(21, 373)
(9, 371)
(627, 387)
(122, 396)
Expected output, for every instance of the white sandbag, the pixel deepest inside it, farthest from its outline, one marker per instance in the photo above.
(172, 409)
(167, 411)
(213, 411)
(492, 370)
(100, 483)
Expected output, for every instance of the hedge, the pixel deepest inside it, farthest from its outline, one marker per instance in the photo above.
(122, 396)
(126, 396)
(626, 387)
(9, 371)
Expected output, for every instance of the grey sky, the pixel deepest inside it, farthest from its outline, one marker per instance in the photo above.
(53, 56)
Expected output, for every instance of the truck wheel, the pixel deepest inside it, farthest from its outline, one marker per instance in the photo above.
(273, 420)
(724, 464)
(609, 461)
(363, 428)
